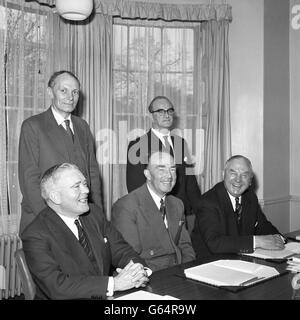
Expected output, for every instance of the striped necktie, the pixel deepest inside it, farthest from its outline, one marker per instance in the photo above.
(238, 210)
(69, 130)
(84, 241)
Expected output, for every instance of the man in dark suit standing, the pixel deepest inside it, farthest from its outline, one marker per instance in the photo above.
(53, 137)
(70, 246)
(159, 138)
(151, 220)
(229, 218)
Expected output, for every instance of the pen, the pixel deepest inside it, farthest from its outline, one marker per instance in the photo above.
(255, 279)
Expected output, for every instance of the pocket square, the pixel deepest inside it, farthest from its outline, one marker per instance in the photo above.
(181, 222)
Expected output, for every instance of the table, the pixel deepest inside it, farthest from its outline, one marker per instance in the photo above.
(172, 282)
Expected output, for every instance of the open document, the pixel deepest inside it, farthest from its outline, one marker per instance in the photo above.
(290, 249)
(230, 273)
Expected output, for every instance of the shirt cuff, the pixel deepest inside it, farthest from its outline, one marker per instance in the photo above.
(148, 271)
(110, 287)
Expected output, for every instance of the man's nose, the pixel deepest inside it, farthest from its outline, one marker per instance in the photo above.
(84, 189)
(169, 173)
(238, 178)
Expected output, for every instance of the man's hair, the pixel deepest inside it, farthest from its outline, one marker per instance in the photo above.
(51, 82)
(238, 156)
(51, 176)
(150, 107)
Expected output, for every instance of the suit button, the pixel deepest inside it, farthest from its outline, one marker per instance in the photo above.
(151, 252)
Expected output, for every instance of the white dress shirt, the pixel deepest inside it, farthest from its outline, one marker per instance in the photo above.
(61, 120)
(160, 136)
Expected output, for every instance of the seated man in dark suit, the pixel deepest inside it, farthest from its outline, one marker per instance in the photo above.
(70, 246)
(229, 218)
(151, 220)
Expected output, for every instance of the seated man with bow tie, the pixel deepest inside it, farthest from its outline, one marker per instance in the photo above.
(151, 220)
(229, 217)
(70, 246)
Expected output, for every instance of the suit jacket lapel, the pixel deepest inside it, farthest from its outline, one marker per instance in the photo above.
(97, 243)
(80, 134)
(172, 223)
(152, 214)
(55, 134)
(228, 209)
(68, 242)
(154, 143)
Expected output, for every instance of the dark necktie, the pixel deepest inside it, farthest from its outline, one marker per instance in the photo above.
(162, 209)
(168, 146)
(84, 241)
(68, 129)
(238, 210)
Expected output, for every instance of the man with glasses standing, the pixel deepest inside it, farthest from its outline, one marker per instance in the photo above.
(160, 138)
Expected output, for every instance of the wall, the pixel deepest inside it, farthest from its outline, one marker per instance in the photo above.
(276, 112)
(246, 82)
(295, 119)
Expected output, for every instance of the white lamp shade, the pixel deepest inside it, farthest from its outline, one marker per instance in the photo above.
(74, 9)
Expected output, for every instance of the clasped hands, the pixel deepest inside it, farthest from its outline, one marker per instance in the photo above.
(133, 275)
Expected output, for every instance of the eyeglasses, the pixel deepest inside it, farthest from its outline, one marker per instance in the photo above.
(163, 112)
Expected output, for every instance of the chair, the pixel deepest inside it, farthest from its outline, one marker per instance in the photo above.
(29, 288)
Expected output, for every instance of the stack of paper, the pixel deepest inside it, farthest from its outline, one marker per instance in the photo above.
(294, 263)
(230, 273)
(145, 295)
(290, 249)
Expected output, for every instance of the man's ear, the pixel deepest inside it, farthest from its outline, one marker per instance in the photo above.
(147, 174)
(223, 174)
(54, 196)
(50, 92)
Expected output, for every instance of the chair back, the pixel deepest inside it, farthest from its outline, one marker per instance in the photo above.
(28, 286)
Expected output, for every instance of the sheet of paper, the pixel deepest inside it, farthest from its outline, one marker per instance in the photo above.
(230, 273)
(293, 246)
(290, 249)
(145, 295)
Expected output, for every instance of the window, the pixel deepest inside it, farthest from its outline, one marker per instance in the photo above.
(149, 60)
(23, 50)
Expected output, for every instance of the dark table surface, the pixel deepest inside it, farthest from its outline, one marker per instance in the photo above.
(172, 282)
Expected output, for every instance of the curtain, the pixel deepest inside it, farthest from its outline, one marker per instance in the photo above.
(86, 47)
(215, 74)
(25, 45)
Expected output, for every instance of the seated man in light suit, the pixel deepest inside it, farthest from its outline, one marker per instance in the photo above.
(229, 217)
(152, 221)
(70, 246)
